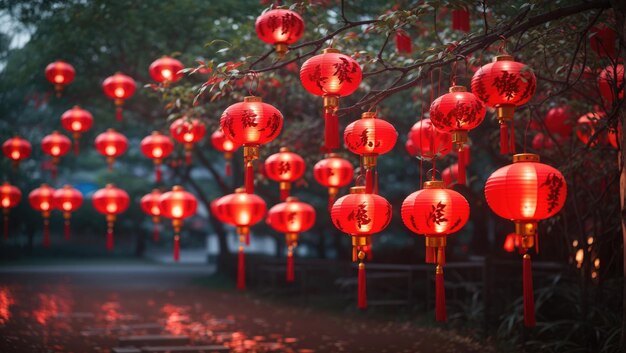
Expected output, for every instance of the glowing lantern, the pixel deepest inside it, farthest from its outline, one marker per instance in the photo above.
(450, 174)
(151, 206)
(110, 201)
(10, 196)
(284, 167)
(156, 147)
(586, 129)
(60, 74)
(611, 82)
(526, 192)
(361, 215)
(251, 123)
(436, 212)
(166, 70)
(111, 144)
(225, 145)
(331, 75)
(370, 137)
(76, 121)
(511, 242)
(333, 172)
(16, 149)
(119, 87)
(177, 205)
(41, 199)
(558, 121)
(67, 200)
(457, 112)
(291, 217)
(504, 85)
(280, 28)
(242, 210)
(187, 131)
(429, 142)
(55, 145)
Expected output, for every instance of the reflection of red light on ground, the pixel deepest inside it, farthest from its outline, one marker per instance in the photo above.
(111, 311)
(51, 306)
(6, 300)
(176, 320)
(291, 340)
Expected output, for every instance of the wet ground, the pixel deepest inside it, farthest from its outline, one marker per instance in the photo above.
(96, 308)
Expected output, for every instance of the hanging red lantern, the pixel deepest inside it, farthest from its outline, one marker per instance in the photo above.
(60, 74)
(151, 206)
(225, 145)
(187, 131)
(410, 148)
(16, 149)
(67, 200)
(291, 217)
(165, 70)
(611, 82)
(526, 192)
(370, 137)
(110, 201)
(251, 123)
(331, 75)
(436, 212)
(76, 121)
(157, 147)
(541, 142)
(504, 85)
(403, 42)
(429, 142)
(461, 20)
(333, 172)
(119, 87)
(558, 120)
(111, 144)
(10, 196)
(55, 145)
(602, 40)
(41, 199)
(280, 28)
(586, 129)
(511, 242)
(284, 167)
(450, 175)
(361, 215)
(242, 210)
(177, 205)
(457, 112)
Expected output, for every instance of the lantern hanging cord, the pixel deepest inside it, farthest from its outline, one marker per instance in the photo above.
(502, 47)
(527, 127)
(253, 77)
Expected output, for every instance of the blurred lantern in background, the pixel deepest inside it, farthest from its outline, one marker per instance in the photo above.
(111, 144)
(512, 242)
(541, 142)
(10, 196)
(429, 142)
(67, 200)
(225, 145)
(119, 87)
(586, 129)
(284, 167)
(110, 201)
(449, 175)
(602, 40)
(157, 146)
(291, 217)
(333, 172)
(280, 28)
(165, 70)
(60, 74)
(55, 145)
(410, 148)
(187, 131)
(41, 200)
(76, 121)
(151, 206)
(611, 82)
(16, 149)
(177, 205)
(559, 120)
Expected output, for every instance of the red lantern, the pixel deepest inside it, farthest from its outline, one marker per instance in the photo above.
(457, 112)
(110, 201)
(284, 167)
(586, 129)
(225, 145)
(251, 123)
(602, 40)
(16, 149)
(60, 74)
(10, 196)
(436, 212)
(331, 75)
(41, 199)
(333, 172)
(410, 148)
(187, 131)
(504, 85)
(559, 121)
(525, 192)
(541, 142)
(611, 82)
(166, 70)
(151, 206)
(55, 145)
(361, 215)
(242, 210)
(177, 205)
(370, 137)
(156, 147)
(280, 28)
(111, 144)
(450, 175)
(76, 121)
(291, 217)
(429, 142)
(119, 87)
(68, 200)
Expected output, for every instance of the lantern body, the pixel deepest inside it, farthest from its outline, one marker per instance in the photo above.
(284, 166)
(178, 204)
(150, 203)
(187, 130)
(457, 110)
(610, 78)
(241, 209)
(586, 128)
(60, 73)
(279, 26)
(333, 171)
(603, 40)
(111, 143)
(77, 120)
(166, 69)
(55, 144)
(541, 142)
(251, 122)
(222, 143)
(16, 149)
(67, 199)
(156, 146)
(331, 74)
(370, 136)
(292, 216)
(119, 86)
(110, 200)
(361, 214)
(410, 148)
(450, 174)
(41, 199)
(10, 196)
(558, 121)
(428, 141)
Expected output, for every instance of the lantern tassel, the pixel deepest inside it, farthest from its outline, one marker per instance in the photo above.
(109, 243)
(362, 289)
(54, 171)
(66, 229)
(375, 181)
(290, 265)
(46, 233)
(176, 248)
(188, 157)
(369, 181)
(284, 194)
(241, 270)
(118, 113)
(512, 138)
(331, 201)
(155, 232)
(249, 182)
(5, 226)
(369, 252)
(461, 168)
(504, 138)
(529, 300)
(157, 173)
(441, 255)
(431, 255)
(331, 130)
(440, 296)
(467, 155)
(228, 170)
(461, 20)
(76, 147)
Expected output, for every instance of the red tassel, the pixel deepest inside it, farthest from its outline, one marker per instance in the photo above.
(157, 173)
(241, 270)
(6, 227)
(467, 155)
(369, 181)
(290, 266)
(66, 230)
(529, 299)
(155, 233)
(362, 290)
(512, 138)
(249, 178)
(403, 42)
(331, 202)
(369, 252)
(461, 168)
(118, 113)
(54, 171)
(284, 194)
(504, 138)
(188, 157)
(46, 233)
(110, 238)
(461, 20)
(228, 170)
(176, 248)
(76, 147)
(440, 296)
(331, 131)
(441, 255)
(375, 181)
(431, 255)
